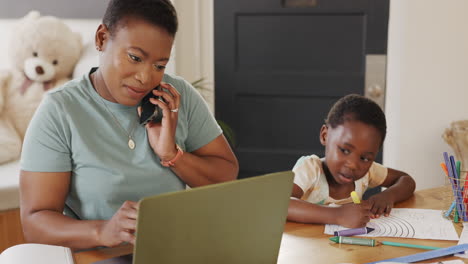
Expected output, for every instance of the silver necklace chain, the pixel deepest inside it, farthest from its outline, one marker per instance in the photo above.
(131, 142)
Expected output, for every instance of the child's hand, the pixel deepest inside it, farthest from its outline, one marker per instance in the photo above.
(380, 204)
(354, 215)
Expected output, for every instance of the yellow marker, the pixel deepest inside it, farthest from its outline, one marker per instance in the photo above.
(355, 197)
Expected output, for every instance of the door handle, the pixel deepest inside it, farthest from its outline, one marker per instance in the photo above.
(375, 79)
(374, 91)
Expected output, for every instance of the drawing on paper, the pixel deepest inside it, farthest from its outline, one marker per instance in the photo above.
(392, 226)
(409, 223)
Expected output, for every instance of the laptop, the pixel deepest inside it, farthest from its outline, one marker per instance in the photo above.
(240, 221)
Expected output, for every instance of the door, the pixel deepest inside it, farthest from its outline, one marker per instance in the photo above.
(280, 65)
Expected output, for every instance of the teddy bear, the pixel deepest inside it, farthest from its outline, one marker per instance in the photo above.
(43, 53)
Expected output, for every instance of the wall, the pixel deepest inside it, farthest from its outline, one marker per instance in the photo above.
(427, 84)
(194, 45)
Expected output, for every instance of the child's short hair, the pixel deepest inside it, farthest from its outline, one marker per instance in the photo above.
(157, 12)
(354, 107)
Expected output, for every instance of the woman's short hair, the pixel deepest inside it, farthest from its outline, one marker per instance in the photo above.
(356, 107)
(157, 12)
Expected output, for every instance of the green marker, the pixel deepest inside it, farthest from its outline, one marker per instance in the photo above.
(353, 241)
(457, 180)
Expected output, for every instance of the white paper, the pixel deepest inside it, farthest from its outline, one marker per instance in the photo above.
(409, 223)
(463, 240)
(37, 254)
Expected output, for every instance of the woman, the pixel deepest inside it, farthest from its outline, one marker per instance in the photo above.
(86, 160)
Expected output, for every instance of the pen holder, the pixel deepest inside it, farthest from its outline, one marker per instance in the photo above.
(459, 189)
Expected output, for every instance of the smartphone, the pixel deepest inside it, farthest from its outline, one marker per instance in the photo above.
(149, 111)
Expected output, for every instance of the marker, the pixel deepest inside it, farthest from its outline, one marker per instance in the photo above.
(450, 163)
(457, 180)
(355, 197)
(353, 241)
(465, 188)
(354, 231)
(431, 254)
(456, 174)
(449, 211)
(452, 206)
(444, 167)
(396, 244)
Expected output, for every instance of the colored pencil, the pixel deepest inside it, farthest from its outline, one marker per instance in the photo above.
(396, 244)
(373, 242)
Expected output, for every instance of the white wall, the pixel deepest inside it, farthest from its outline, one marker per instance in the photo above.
(427, 84)
(194, 45)
(5, 32)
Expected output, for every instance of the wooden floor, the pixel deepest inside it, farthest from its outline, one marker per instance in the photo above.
(10, 229)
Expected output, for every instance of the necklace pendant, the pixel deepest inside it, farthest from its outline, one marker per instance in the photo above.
(131, 143)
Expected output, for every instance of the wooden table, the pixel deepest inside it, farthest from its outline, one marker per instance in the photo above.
(306, 243)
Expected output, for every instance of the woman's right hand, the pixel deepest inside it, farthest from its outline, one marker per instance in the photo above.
(121, 227)
(354, 215)
(161, 136)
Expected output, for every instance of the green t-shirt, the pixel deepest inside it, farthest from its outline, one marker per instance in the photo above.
(73, 131)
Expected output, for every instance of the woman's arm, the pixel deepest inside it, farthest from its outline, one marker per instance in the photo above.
(349, 215)
(213, 163)
(42, 200)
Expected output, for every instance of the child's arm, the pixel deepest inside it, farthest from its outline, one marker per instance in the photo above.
(400, 186)
(349, 215)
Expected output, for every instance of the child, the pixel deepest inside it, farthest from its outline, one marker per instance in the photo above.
(353, 133)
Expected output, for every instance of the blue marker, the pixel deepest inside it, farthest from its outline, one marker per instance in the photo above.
(449, 211)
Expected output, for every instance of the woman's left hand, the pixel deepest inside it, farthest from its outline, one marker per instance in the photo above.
(380, 203)
(161, 135)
